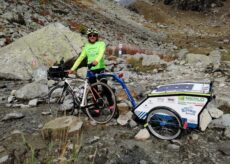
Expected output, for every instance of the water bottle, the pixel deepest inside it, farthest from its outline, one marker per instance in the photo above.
(119, 50)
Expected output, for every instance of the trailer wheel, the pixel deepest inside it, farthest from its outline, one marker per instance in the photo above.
(164, 123)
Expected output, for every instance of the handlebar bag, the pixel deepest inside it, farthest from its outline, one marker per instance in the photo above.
(56, 72)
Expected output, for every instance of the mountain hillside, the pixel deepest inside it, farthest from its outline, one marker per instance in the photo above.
(173, 55)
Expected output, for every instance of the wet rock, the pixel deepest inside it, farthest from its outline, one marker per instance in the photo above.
(12, 116)
(143, 134)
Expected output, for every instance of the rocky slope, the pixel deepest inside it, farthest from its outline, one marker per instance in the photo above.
(163, 31)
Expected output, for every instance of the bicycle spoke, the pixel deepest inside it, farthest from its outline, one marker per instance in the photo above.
(164, 124)
(102, 113)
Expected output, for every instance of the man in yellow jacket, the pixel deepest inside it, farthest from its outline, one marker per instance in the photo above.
(94, 52)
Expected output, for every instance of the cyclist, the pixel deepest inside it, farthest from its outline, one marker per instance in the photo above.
(94, 52)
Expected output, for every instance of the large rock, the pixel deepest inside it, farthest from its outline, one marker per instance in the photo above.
(143, 134)
(205, 119)
(215, 58)
(42, 47)
(214, 111)
(222, 122)
(32, 90)
(147, 60)
(61, 128)
(198, 58)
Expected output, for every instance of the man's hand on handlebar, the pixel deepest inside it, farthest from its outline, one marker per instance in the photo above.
(94, 63)
(70, 71)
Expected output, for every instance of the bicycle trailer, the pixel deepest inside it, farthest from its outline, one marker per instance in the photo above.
(172, 107)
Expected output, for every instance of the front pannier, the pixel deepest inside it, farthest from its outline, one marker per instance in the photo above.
(57, 72)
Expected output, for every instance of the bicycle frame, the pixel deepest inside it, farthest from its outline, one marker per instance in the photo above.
(86, 85)
(121, 82)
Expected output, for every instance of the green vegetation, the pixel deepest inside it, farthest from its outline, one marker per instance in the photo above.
(31, 159)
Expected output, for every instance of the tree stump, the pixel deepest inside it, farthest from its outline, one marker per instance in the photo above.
(61, 128)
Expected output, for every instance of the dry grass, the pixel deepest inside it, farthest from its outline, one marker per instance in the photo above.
(137, 65)
(209, 28)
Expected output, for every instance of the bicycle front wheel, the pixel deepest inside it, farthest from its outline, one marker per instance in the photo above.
(164, 123)
(100, 102)
(61, 101)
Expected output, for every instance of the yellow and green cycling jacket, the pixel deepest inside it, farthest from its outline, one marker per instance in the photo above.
(93, 52)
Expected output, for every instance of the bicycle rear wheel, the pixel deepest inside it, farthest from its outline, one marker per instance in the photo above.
(164, 123)
(61, 101)
(101, 103)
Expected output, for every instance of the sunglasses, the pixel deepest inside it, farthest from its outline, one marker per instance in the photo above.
(92, 35)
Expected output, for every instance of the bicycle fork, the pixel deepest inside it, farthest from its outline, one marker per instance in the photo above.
(84, 95)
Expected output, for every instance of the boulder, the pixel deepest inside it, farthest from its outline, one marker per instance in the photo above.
(215, 57)
(205, 119)
(123, 119)
(45, 46)
(147, 60)
(32, 90)
(61, 128)
(12, 116)
(194, 59)
(214, 111)
(143, 134)
(123, 108)
(222, 122)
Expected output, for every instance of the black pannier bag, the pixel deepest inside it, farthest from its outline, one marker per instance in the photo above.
(57, 71)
